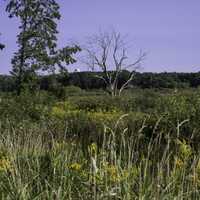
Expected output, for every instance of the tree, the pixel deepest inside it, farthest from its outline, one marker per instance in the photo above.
(37, 41)
(107, 52)
(2, 46)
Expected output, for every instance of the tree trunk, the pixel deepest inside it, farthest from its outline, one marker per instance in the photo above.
(22, 60)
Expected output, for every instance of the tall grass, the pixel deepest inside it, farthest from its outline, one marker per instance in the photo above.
(34, 165)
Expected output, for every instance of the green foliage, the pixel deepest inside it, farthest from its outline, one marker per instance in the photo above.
(70, 91)
(72, 141)
(37, 40)
(27, 106)
(132, 147)
(88, 81)
(124, 165)
(93, 103)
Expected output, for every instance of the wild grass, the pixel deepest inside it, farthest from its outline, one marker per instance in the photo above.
(123, 166)
(67, 151)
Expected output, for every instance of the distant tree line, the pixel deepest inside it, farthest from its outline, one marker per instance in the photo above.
(88, 80)
(106, 52)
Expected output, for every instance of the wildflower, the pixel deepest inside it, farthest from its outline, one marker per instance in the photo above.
(75, 166)
(184, 149)
(125, 174)
(5, 164)
(113, 173)
(58, 112)
(92, 149)
(84, 174)
(178, 162)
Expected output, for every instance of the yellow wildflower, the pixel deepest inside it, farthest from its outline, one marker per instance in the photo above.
(92, 149)
(185, 150)
(75, 166)
(58, 112)
(5, 164)
(125, 174)
(179, 163)
(113, 173)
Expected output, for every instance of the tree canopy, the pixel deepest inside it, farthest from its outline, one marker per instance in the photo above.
(37, 40)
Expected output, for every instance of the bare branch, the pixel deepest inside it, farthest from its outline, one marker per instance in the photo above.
(108, 52)
(138, 61)
(100, 77)
(125, 85)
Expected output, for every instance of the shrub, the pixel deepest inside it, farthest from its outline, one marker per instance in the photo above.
(71, 91)
(27, 106)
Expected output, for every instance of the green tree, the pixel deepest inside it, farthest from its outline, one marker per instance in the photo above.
(37, 41)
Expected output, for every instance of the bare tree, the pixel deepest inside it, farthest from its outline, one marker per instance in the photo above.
(107, 52)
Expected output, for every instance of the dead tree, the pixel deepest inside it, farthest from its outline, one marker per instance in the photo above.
(107, 52)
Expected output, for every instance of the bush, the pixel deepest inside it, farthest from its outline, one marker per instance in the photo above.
(71, 91)
(27, 106)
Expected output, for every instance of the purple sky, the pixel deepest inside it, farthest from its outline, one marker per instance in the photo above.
(169, 30)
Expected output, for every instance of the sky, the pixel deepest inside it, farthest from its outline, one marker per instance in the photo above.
(167, 30)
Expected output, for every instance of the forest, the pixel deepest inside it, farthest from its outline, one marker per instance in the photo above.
(87, 81)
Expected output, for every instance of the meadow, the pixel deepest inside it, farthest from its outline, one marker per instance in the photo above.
(88, 145)
(81, 116)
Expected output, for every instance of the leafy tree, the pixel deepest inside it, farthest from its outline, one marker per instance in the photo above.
(37, 41)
